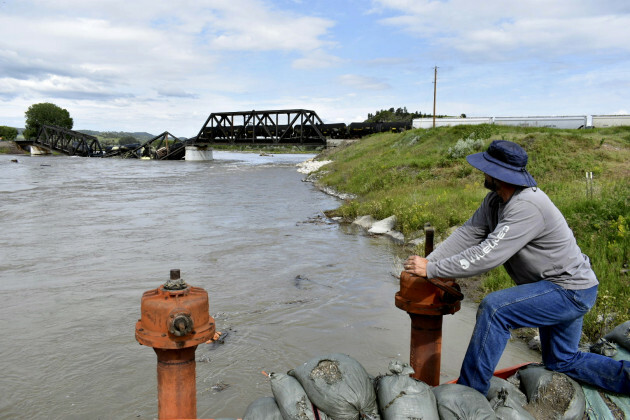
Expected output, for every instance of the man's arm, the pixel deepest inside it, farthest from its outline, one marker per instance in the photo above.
(472, 232)
(519, 225)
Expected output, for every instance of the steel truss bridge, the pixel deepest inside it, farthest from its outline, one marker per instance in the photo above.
(67, 141)
(287, 126)
(161, 147)
(73, 143)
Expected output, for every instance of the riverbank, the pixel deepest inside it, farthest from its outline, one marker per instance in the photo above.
(11, 148)
(421, 176)
(471, 287)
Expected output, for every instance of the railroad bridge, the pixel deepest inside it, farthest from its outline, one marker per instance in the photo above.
(164, 146)
(287, 126)
(72, 143)
(272, 127)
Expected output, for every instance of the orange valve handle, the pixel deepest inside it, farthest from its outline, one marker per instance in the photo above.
(449, 290)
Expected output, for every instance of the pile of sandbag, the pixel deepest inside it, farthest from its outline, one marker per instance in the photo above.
(610, 344)
(337, 387)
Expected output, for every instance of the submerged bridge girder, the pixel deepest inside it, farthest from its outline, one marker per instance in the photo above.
(72, 143)
(286, 126)
(164, 146)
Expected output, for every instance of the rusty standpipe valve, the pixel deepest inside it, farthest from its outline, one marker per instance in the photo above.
(174, 320)
(427, 301)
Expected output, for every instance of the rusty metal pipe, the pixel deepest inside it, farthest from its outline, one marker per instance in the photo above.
(426, 301)
(176, 379)
(426, 348)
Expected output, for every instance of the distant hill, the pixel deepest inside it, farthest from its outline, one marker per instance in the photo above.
(140, 135)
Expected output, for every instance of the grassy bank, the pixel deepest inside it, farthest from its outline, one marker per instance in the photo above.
(422, 176)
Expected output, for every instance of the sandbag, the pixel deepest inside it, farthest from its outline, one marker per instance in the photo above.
(459, 402)
(264, 408)
(339, 386)
(498, 385)
(506, 408)
(402, 397)
(291, 398)
(604, 347)
(507, 400)
(620, 335)
(552, 394)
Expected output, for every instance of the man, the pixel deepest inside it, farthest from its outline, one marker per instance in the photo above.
(518, 226)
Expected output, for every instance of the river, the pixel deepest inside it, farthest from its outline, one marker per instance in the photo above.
(83, 238)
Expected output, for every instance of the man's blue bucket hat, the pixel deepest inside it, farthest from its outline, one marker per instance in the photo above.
(505, 161)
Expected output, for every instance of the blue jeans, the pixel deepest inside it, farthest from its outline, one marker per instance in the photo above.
(558, 313)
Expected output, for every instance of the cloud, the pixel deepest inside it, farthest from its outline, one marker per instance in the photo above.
(60, 87)
(497, 30)
(176, 93)
(317, 59)
(363, 82)
(253, 26)
(135, 46)
(388, 61)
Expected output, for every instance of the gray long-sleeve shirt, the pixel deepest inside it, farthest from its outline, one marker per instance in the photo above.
(528, 234)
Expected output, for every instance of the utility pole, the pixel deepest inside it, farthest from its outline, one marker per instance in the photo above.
(434, 92)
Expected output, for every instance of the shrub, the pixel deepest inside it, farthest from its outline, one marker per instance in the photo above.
(465, 147)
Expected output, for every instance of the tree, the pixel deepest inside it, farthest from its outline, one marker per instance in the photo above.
(127, 140)
(393, 115)
(8, 133)
(45, 114)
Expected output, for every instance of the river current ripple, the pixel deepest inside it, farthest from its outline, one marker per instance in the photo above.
(82, 239)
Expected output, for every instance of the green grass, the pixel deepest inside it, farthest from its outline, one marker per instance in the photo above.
(413, 176)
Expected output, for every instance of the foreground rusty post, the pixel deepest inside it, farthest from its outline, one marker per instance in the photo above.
(174, 320)
(427, 301)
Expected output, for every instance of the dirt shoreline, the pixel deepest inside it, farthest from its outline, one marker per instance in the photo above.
(11, 148)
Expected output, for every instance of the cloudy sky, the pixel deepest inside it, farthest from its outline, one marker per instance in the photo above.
(153, 65)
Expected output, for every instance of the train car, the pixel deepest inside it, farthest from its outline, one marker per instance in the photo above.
(357, 129)
(334, 131)
(602, 121)
(569, 121)
(449, 122)
(394, 127)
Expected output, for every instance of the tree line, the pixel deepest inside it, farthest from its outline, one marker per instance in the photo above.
(398, 115)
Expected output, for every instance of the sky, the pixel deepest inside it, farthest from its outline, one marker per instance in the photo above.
(155, 66)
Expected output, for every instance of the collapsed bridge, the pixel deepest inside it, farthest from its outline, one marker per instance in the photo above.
(164, 146)
(72, 143)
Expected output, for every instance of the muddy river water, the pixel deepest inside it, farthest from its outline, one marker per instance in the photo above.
(82, 238)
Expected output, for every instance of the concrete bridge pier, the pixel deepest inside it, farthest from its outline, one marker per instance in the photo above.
(39, 150)
(198, 152)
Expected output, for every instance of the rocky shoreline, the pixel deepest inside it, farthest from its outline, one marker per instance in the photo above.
(383, 227)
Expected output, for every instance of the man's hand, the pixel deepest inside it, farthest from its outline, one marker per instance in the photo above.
(416, 265)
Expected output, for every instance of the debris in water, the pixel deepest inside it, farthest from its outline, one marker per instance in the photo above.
(221, 386)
